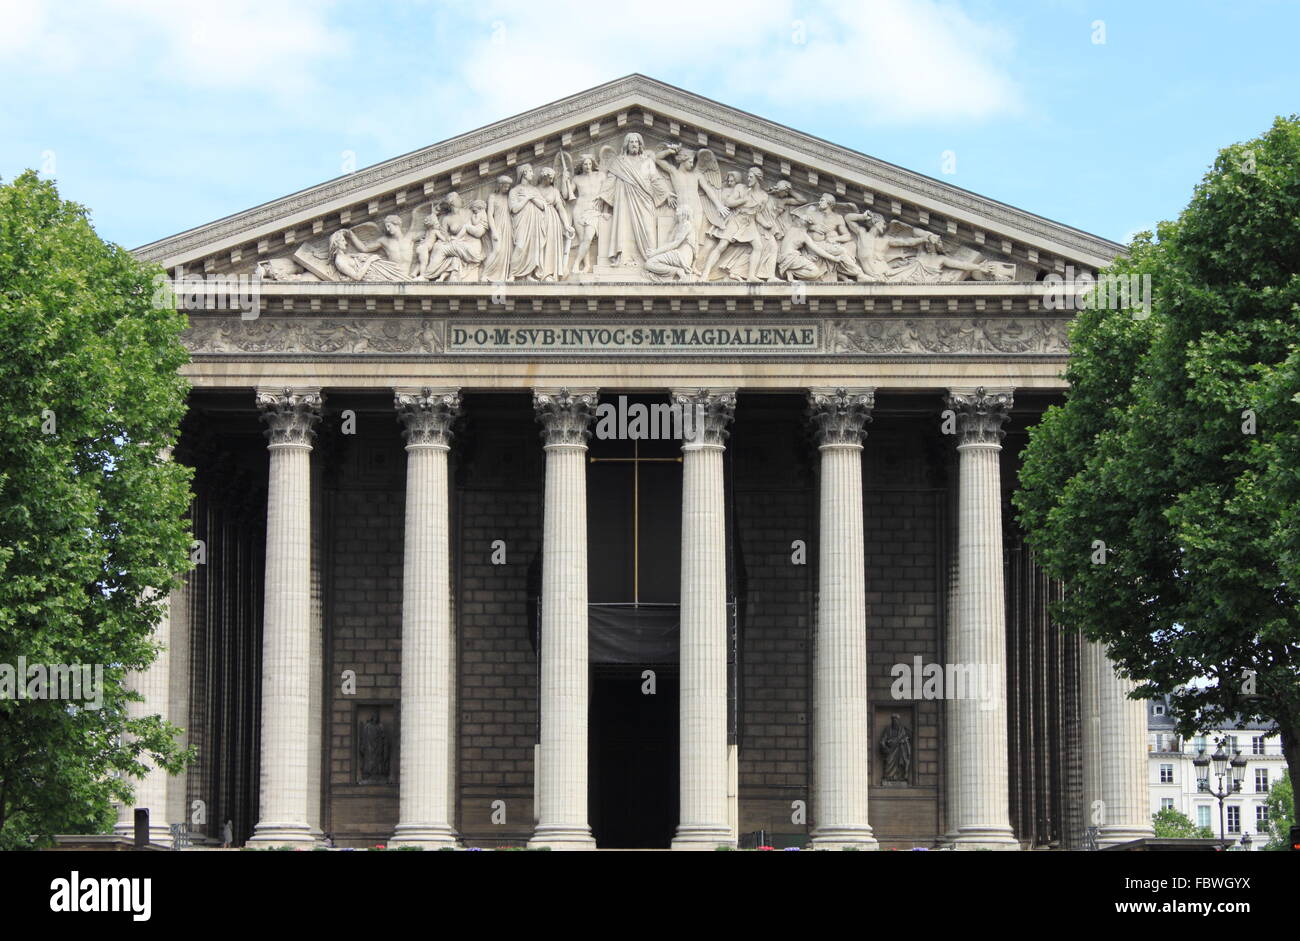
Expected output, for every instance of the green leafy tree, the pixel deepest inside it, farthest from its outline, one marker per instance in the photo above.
(1165, 491)
(92, 533)
(1171, 823)
(1281, 814)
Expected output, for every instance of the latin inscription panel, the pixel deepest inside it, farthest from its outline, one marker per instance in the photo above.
(642, 337)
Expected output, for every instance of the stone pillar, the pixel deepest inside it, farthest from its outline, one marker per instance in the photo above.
(1091, 659)
(561, 771)
(842, 724)
(178, 806)
(427, 696)
(978, 711)
(316, 664)
(952, 727)
(284, 807)
(704, 818)
(1116, 753)
(154, 684)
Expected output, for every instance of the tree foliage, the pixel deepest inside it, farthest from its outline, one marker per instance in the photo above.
(1178, 448)
(1281, 814)
(91, 515)
(1174, 824)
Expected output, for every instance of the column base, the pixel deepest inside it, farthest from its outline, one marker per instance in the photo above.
(432, 836)
(842, 838)
(283, 834)
(1113, 836)
(558, 837)
(984, 838)
(703, 837)
(159, 835)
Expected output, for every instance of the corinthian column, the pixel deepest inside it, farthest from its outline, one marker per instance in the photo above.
(425, 806)
(561, 774)
(978, 712)
(284, 815)
(704, 820)
(842, 733)
(1118, 755)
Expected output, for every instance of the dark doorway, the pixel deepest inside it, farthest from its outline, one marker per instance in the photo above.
(634, 518)
(633, 770)
(634, 522)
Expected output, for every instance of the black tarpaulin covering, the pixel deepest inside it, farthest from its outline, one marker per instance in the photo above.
(630, 633)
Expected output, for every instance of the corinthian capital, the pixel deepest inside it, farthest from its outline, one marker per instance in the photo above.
(426, 415)
(289, 416)
(705, 417)
(839, 417)
(980, 415)
(564, 415)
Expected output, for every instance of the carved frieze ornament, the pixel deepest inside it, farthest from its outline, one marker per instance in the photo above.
(290, 416)
(564, 416)
(427, 416)
(312, 335)
(840, 417)
(980, 415)
(952, 335)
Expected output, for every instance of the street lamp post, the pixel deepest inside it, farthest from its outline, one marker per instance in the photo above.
(1223, 767)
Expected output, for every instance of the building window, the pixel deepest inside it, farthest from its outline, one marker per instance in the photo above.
(1166, 803)
(1232, 745)
(1261, 818)
(1257, 745)
(1261, 780)
(1203, 815)
(1159, 709)
(1166, 774)
(1199, 742)
(1234, 819)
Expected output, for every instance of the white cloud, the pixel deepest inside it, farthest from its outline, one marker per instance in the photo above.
(870, 62)
(278, 48)
(883, 62)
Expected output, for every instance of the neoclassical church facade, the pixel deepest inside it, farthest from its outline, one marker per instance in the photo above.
(632, 472)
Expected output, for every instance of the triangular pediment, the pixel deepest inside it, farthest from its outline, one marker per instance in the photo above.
(814, 211)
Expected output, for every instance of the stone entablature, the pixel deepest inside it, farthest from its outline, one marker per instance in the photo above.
(945, 336)
(552, 320)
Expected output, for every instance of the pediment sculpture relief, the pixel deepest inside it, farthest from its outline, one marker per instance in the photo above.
(632, 214)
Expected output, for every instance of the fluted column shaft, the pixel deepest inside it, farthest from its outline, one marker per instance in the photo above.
(983, 818)
(561, 775)
(704, 816)
(841, 730)
(1092, 659)
(424, 817)
(1119, 755)
(952, 719)
(286, 623)
(178, 808)
(154, 684)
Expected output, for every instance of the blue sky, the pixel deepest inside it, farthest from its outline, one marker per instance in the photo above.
(161, 115)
